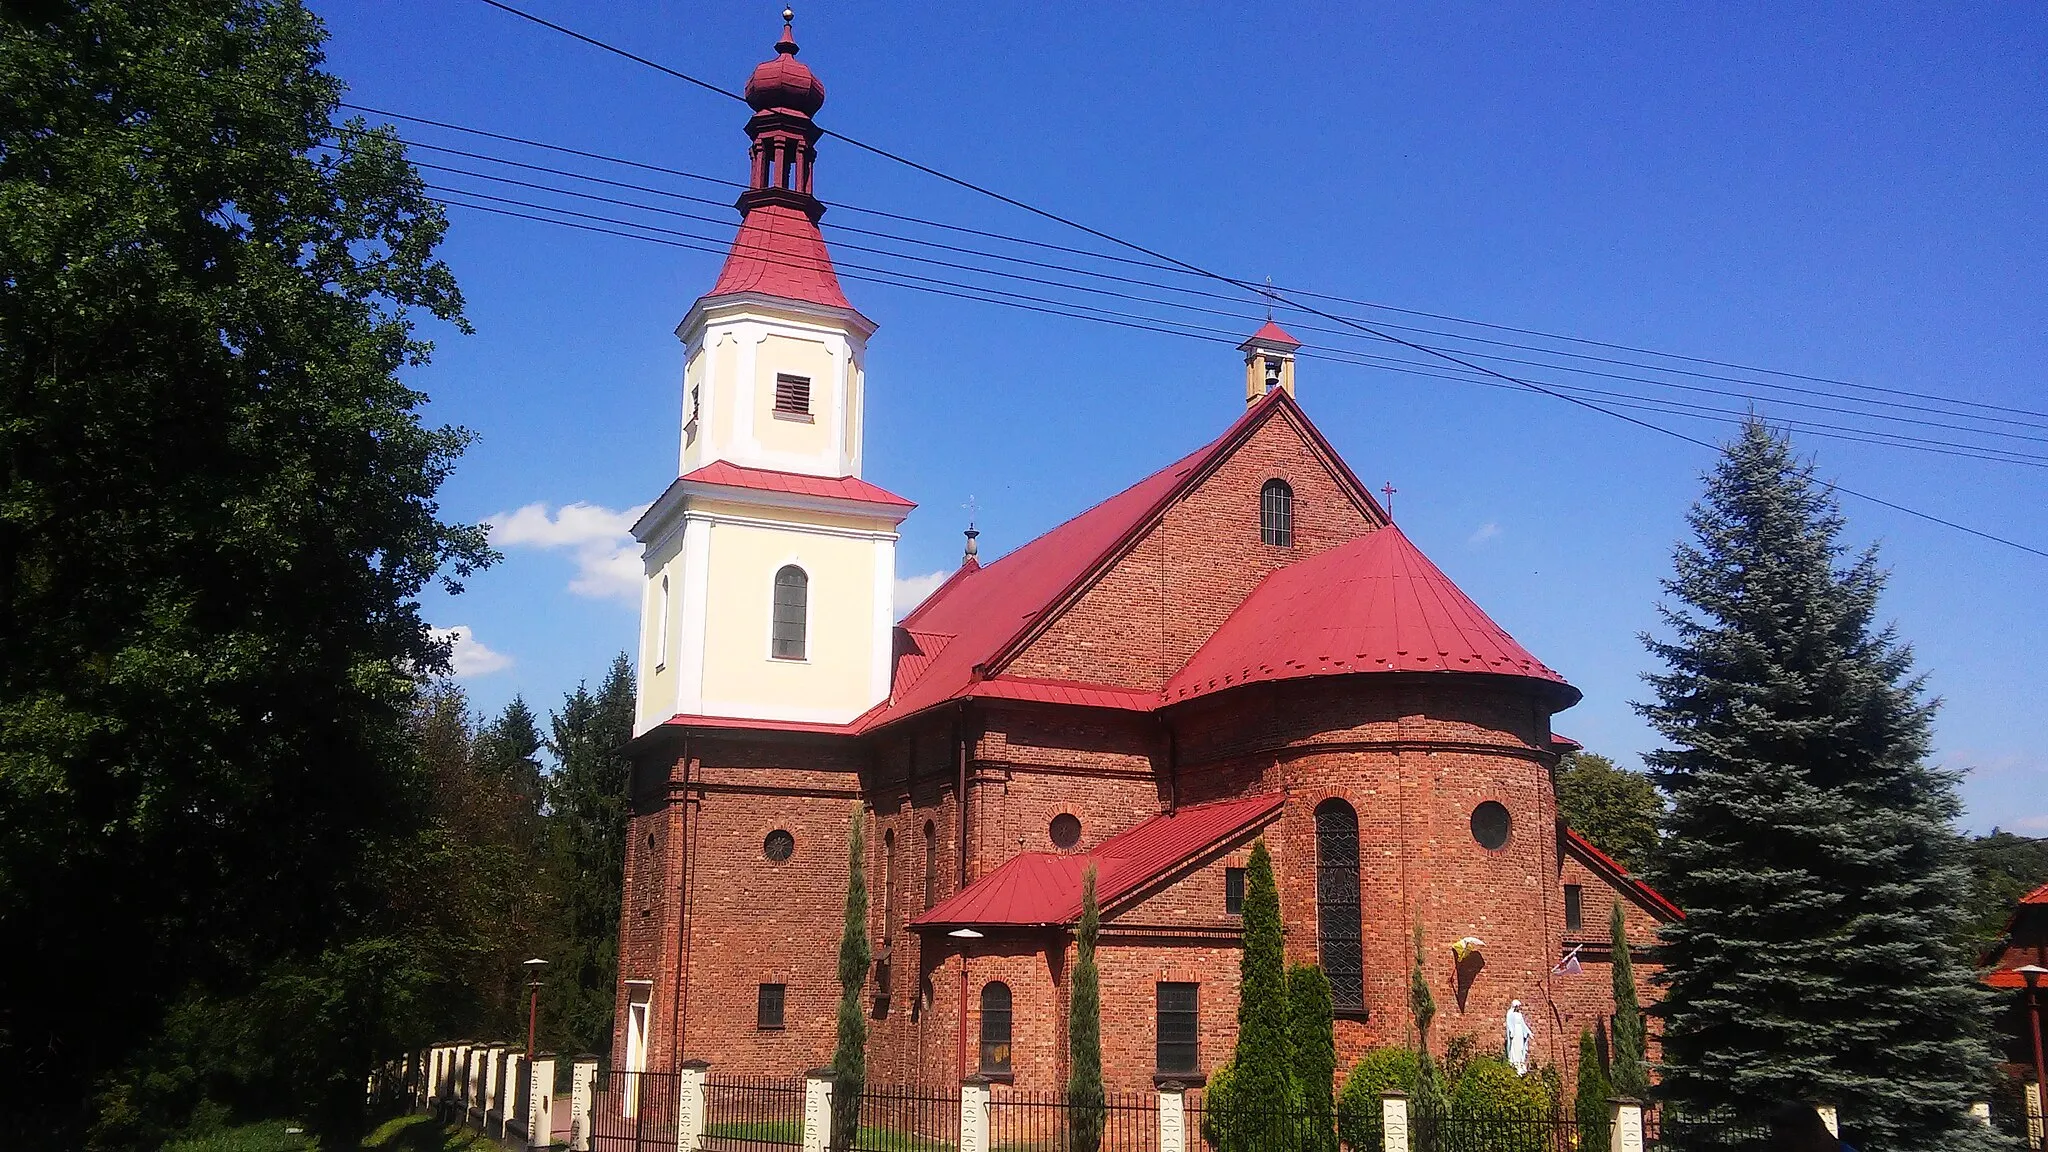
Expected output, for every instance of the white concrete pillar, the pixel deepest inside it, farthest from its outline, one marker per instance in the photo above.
(582, 1094)
(1625, 1125)
(430, 1088)
(472, 1084)
(494, 1085)
(1831, 1117)
(1394, 1121)
(2034, 1126)
(818, 1109)
(509, 1084)
(1173, 1117)
(690, 1104)
(974, 1114)
(540, 1102)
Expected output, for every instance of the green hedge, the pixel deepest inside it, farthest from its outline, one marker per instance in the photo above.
(1358, 1107)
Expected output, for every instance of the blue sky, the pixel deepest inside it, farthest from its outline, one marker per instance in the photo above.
(1849, 195)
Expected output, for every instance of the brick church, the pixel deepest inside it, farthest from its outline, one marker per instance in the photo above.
(1241, 645)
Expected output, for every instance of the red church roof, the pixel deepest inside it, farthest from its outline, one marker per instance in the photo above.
(730, 475)
(1042, 889)
(988, 610)
(1376, 604)
(779, 252)
(1271, 333)
(1611, 869)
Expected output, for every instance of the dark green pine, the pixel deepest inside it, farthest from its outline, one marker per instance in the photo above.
(1088, 1111)
(1631, 1075)
(1312, 1045)
(1809, 842)
(1261, 1082)
(850, 1059)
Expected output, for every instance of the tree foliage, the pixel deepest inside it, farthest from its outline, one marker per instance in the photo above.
(217, 510)
(2003, 867)
(1429, 1088)
(1614, 808)
(1379, 1071)
(1589, 1102)
(1087, 1108)
(850, 1057)
(1631, 1074)
(1312, 1048)
(1808, 841)
(587, 817)
(1261, 1085)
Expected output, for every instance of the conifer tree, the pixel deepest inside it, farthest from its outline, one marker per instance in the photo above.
(1086, 1107)
(1589, 1103)
(1808, 841)
(850, 1058)
(1430, 1098)
(1312, 1046)
(1261, 1079)
(587, 816)
(1631, 1075)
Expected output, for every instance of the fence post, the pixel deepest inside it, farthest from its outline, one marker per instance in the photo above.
(690, 1076)
(582, 1094)
(509, 1082)
(494, 1085)
(2034, 1119)
(974, 1114)
(1173, 1117)
(1625, 1127)
(430, 1088)
(1830, 1117)
(1394, 1121)
(1980, 1111)
(540, 1107)
(472, 1092)
(817, 1109)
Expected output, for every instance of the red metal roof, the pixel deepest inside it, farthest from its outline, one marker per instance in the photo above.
(779, 252)
(1043, 889)
(1601, 862)
(1271, 333)
(1065, 692)
(2037, 896)
(989, 610)
(1375, 604)
(730, 475)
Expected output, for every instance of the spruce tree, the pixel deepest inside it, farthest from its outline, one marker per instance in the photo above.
(850, 1058)
(587, 817)
(1589, 1103)
(1808, 841)
(1261, 1079)
(1087, 1110)
(1312, 1047)
(1631, 1076)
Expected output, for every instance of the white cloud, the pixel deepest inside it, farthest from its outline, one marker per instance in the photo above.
(1485, 533)
(911, 590)
(600, 539)
(468, 655)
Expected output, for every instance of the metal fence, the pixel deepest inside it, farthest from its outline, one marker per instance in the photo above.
(908, 1119)
(1048, 1122)
(744, 1112)
(1676, 1133)
(1495, 1134)
(1209, 1130)
(634, 1111)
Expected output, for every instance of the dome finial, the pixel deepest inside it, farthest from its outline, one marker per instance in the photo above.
(787, 45)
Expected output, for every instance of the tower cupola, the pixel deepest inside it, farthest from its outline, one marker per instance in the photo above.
(784, 95)
(1268, 362)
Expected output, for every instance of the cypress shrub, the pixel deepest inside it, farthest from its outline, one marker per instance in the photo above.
(850, 1058)
(1262, 1080)
(1087, 1108)
(1589, 1103)
(1312, 1044)
(1499, 1110)
(1631, 1076)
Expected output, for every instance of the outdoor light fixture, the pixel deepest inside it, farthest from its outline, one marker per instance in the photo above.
(964, 934)
(533, 968)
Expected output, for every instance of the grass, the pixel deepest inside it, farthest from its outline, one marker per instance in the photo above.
(791, 1132)
(401, 1134)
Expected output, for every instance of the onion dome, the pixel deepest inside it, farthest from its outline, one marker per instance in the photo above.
(785, 83)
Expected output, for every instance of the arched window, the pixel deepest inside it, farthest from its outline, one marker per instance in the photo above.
(931, 865)
(1276, 513)
(1337, 918)
(792, 612)
(995, 1028)
(888, 885)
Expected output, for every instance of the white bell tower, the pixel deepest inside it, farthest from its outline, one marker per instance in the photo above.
(770, 563)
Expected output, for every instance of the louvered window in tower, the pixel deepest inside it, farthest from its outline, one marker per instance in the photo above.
(792, 395)
(1337, 916)
(1276, 514)
(792, 612)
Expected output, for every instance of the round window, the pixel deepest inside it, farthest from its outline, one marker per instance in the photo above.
(1066, 830)
(779, 846)
(1490, 825)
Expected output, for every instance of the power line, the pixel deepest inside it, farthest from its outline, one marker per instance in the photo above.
(1249, 288)
(1049, 306)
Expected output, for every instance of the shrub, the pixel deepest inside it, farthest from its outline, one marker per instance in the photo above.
(1589, 1105)
(1498, 1109)
(1358, 1107)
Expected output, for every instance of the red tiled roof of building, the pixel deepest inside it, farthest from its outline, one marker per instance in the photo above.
(779, 252)
(989, 609)
(730, 475)
(1376, 604)
(1039, 889)
(1601, 862)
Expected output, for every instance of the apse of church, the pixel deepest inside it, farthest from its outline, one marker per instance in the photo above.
(1239, 646)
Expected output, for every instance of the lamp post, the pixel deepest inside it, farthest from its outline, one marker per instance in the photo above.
(2032, 974)
(533, 968)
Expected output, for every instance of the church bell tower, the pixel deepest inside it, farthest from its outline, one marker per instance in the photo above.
(770, 563)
